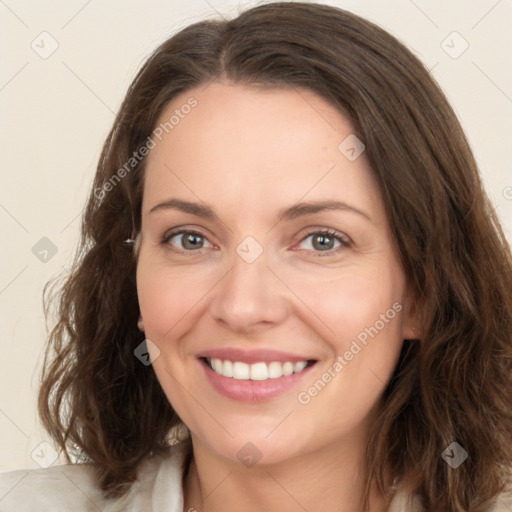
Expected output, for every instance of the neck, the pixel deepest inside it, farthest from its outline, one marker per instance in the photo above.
(329, 479)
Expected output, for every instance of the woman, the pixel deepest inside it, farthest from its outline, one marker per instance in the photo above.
(289, 266)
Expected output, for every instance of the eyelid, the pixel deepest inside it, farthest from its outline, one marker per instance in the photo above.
(345, 241)
(311, 230)
(168, 235)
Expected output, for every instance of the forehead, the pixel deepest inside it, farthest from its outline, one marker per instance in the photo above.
(250, 148)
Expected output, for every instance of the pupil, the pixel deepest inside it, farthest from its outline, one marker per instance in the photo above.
(323, 245)
(193, 240)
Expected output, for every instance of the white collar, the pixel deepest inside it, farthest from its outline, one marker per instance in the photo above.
(159, 487)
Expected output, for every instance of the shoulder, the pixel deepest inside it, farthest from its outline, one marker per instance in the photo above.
(73, 487)
(403, 502)
(503, 502)
(63, 487)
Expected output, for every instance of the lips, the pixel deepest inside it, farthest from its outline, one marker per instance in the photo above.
(253, 375)
(256, 371)
(253, 356)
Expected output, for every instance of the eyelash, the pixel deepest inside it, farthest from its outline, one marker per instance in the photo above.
(344, 241)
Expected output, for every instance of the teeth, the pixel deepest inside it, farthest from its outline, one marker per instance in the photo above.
(217, 365)
(257, 371)
(287, 368)
(275, 370)
(298, 367)
(227, 369)
(241, 371)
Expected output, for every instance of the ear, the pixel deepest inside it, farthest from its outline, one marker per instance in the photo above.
(410, 319)
(140, 323)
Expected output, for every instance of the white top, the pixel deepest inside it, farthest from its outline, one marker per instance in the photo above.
(158, 488)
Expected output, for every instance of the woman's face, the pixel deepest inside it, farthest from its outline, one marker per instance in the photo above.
(253, 285)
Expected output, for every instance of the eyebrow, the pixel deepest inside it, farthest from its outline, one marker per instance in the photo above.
(297, 210)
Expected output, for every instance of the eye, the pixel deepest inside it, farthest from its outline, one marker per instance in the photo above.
(188, 239)
(323, 241)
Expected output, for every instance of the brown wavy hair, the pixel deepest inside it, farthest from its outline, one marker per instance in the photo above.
(101, 405)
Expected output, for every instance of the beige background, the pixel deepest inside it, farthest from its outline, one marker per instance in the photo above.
(57, 110)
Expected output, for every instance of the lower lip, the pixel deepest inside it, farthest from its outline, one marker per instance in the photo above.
(252, 390)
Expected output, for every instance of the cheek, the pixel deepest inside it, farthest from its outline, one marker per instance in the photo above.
(167, 295)
(166, 299)
(346, 305)
(361, 315)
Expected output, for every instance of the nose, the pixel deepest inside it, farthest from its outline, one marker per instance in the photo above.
(250, 297)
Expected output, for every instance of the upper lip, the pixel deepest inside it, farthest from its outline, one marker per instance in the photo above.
(252, 356)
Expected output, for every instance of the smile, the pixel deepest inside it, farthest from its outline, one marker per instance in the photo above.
(257, 371)
(254, 375)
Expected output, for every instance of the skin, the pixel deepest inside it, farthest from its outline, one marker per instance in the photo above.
(248, 153)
